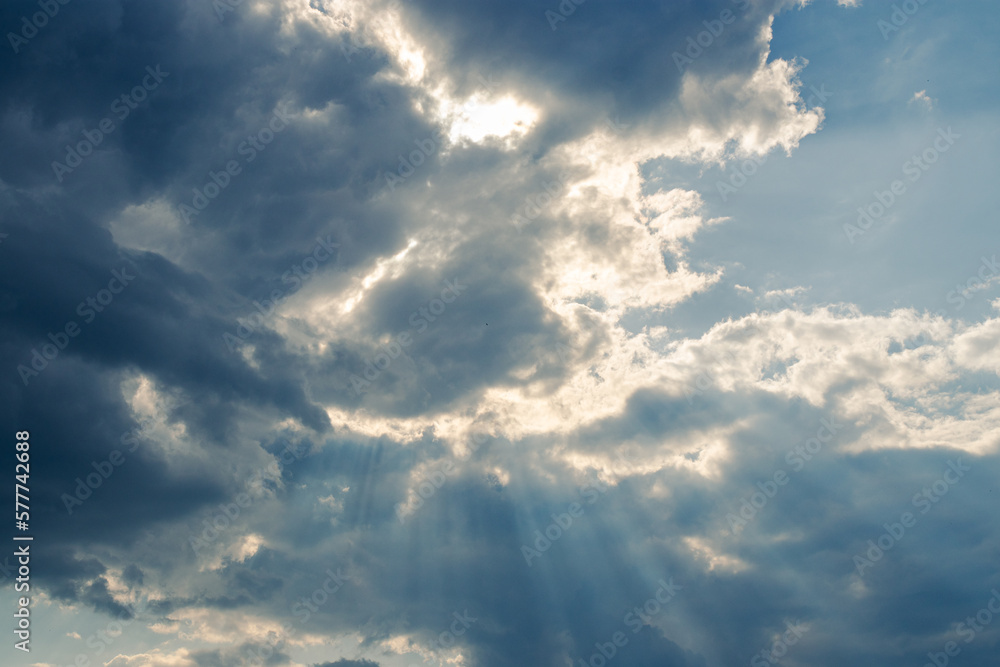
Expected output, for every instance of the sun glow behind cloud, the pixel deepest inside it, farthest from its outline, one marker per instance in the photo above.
(477, 119)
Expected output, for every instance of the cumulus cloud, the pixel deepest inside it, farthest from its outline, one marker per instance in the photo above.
(405, 370)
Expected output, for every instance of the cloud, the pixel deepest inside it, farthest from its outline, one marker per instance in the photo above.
(922, 97)
(532, 307)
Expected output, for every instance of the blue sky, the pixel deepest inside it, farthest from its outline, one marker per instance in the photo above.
(379, 334)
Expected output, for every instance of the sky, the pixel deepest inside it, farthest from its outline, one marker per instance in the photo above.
(396, 333)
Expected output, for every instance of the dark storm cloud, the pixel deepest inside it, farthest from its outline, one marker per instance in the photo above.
(490, 329)
(132, 575)
(162, 321)
(160, 142)
(505, 599)
(335, 505)
(223, 85)
(605, 59)
(225, 82)
(738, 609)
(97, 595)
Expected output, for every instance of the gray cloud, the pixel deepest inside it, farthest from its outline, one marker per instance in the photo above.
(605, 347)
